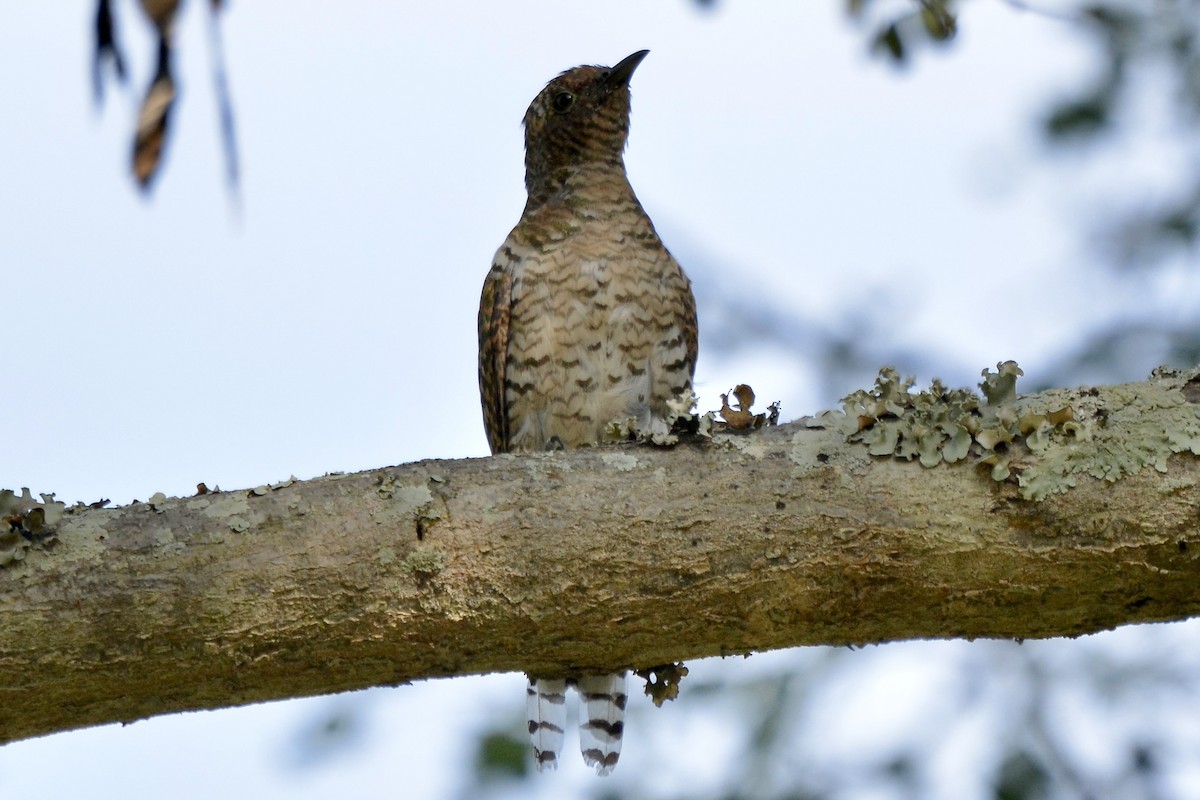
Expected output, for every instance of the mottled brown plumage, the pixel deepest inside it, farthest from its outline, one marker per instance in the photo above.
(585, 316)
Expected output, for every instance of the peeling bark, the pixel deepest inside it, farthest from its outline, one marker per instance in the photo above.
(591, 560)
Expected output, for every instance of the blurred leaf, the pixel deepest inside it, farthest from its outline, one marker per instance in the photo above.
(502, 755)
(336, 731)
(888, 41)
(1144, 761)
(1080, 118)
(897, 36)
(939, 23)
(1022, 778)
(1118, 23)
(901, 770)
(855, 8)
(1180, 224)
(106, 50)
(153, 123)
(1147, 237)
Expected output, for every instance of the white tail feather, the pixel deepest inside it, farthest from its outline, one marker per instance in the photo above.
(546, 703)
(602, 720)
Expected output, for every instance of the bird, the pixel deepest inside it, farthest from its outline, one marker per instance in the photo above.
(585, 318)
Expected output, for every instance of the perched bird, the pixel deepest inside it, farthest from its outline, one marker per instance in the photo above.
(585, 318)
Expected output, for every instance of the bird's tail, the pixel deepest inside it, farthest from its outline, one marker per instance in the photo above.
(546, 702)
(602, 720)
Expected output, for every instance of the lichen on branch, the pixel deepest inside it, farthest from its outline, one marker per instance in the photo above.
(1044, 442)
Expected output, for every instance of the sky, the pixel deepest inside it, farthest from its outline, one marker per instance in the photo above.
(324, 320)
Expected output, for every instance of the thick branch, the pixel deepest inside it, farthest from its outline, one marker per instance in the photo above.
(599, 559)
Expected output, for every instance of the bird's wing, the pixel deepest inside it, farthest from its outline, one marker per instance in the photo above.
(495, 312)
(687, 322)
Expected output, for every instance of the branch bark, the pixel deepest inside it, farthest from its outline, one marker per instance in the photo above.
(588, 560)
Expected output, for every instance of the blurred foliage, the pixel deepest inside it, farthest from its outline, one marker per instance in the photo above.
(1142, 50)
(338, 731)
(1122, 352)
(1132, 39)
(899, 28)
(153, 124)
(1097, 717)
(1136, 40)
(1022, 777)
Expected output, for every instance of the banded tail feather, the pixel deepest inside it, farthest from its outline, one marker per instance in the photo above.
(601, 719)
(546, 703)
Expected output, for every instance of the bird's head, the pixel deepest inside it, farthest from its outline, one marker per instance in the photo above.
(582, 116)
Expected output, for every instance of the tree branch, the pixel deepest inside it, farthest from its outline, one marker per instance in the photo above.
(596, 559)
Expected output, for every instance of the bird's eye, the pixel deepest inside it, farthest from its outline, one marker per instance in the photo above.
(562, 102)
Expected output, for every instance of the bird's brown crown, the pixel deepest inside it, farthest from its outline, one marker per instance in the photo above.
(581, 117)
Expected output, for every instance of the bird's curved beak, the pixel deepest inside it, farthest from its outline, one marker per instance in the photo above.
(619, 75)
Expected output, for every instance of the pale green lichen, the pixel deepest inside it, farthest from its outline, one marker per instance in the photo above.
(424, 562)
(12, 546)
(1116, 433)
(22, 519)
(230, 508)
(1045, 441)
(266, 488)
(410, 497)
(621, 462)
(932, 426)
(680, 420)
(620, 430)
(415, 501)
(819, 444)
